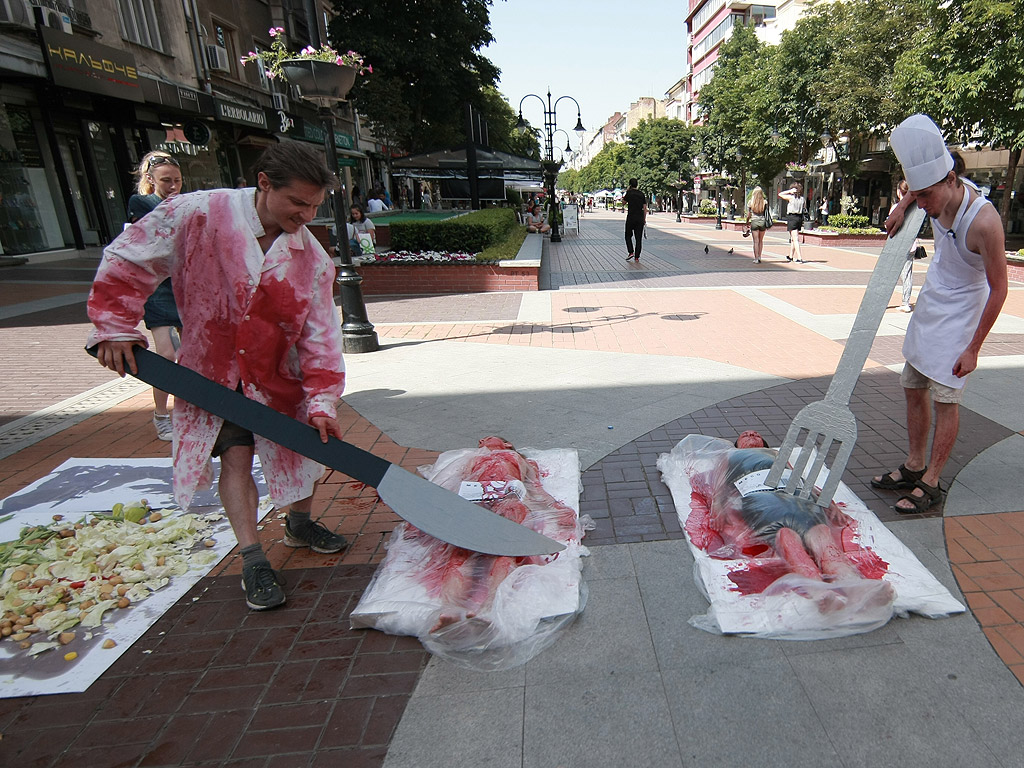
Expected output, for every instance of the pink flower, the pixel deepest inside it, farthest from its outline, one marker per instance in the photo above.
(273, 31)
(339, 61)
(308, 50)
(370, 69)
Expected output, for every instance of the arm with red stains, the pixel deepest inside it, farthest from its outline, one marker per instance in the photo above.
(132, 267)
(320, 355)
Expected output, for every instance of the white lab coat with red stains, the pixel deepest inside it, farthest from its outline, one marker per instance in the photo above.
(267, 321)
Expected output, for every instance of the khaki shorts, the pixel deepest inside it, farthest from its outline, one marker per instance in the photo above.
(911, 378)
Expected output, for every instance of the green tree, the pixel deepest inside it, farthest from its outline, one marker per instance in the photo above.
(659, 154)
(501, 126)
(606, 170)
(427, 55)
(741, 105)
(965, 70)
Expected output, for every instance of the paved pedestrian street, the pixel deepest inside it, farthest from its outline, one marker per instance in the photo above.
(619, 361)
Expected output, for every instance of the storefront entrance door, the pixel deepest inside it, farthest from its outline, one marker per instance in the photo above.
(83, 193)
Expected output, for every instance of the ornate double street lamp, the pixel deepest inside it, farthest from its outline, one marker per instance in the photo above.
(326, 84)
(549, 166)
(716, 150)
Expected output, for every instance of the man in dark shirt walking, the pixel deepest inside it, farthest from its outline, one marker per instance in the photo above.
(636, 217)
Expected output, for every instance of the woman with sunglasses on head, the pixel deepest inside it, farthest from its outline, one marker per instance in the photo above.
(159, 178)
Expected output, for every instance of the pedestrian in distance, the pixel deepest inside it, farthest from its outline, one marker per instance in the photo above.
(159, 179)
(358, 225)
(907, 273)
(636, 219)
(962, 296)
(535, 221)
(795, 208)
(259, 316)
(376, 202)
(757, 212)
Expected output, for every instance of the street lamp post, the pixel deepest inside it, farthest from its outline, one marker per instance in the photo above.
(551, 167)
(326, 84)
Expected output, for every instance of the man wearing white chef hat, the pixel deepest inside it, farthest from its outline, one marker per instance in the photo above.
(961, 298)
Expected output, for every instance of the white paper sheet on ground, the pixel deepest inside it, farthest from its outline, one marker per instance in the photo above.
(95, 485)
(917, 590)
(80, 486)
(530, 605)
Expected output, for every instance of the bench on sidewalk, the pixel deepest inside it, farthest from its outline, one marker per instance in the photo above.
(529, 253)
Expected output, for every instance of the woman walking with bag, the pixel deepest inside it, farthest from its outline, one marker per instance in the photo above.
(159, 178)
(758, 220)
(795, 208)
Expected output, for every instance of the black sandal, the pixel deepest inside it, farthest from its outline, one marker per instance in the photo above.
(933, 494)
(908, 479)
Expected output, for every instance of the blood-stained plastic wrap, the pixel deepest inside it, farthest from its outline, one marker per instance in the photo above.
(774, 565)
(482, 611)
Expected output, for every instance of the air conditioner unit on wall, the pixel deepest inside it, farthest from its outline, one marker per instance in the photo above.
(218, 58)
(280, 101)
(15, 12)
(52, 19)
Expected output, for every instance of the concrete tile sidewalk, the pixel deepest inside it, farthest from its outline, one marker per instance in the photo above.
(631, 682)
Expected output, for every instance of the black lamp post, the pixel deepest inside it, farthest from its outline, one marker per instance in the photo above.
(326, 84)
(716, 146)
(551, 167)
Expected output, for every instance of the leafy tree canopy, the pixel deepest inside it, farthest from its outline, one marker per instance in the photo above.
(426, 64)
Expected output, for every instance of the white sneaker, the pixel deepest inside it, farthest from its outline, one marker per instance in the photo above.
(164, 430)
(906, 308)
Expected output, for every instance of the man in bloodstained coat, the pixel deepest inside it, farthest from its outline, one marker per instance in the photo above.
(254, 290)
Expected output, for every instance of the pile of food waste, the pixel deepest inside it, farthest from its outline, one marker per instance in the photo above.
(60, 582)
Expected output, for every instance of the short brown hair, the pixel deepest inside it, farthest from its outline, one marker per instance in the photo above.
(290, 161)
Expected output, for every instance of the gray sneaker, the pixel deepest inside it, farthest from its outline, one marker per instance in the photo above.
(164, 430)
(262, 587)
(317, 537)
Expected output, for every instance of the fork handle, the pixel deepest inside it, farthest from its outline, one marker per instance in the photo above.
(872, 307)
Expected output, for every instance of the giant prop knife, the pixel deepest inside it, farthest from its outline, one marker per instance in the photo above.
(429, 507)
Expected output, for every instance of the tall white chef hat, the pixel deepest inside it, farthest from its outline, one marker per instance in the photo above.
(922, 152)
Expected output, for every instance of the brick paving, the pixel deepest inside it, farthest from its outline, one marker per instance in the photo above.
(987, 556)
(214, 684)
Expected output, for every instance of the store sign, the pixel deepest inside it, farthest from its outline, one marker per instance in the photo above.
(347, 162)
(177, 97)
(228, 111)
(304, 130)
(77, 62)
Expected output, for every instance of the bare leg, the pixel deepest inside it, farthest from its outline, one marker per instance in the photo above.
(795, 244)
(831, 559)
(919, 423)
(758, 236)
(165, 348)
(238, 493)
(947, 426)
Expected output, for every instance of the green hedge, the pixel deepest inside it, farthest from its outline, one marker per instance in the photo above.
(707, 207)
(471, 233)
(507, 248)
(848, 221)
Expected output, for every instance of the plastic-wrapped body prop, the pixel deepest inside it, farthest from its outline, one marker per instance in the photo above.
(483, 611)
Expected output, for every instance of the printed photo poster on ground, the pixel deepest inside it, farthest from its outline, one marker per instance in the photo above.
(74, 490)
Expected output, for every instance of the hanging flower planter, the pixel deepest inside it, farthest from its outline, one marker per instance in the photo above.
(320, 80)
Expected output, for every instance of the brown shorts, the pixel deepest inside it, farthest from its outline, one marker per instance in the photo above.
(229, 436)
(911, 378)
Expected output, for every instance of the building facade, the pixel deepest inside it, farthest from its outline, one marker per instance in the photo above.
(88, 87)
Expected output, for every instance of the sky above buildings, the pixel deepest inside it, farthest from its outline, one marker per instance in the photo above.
(604, 53)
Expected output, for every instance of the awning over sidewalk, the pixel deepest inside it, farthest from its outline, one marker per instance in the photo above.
(452, 164)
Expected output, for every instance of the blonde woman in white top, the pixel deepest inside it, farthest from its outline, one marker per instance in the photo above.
(796, 206)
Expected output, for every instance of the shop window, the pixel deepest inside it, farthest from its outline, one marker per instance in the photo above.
(139, 23)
